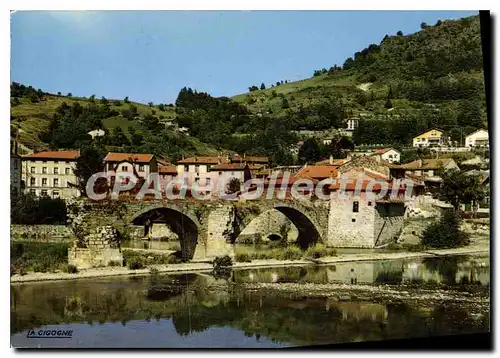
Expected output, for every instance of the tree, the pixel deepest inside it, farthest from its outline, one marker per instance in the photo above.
(126, 100)
(460, 188)
(310, 151)
(104, 100)
(446, 232)
(233, 186)
(58, 93)
(70, 94)
(92, 98)
(88, 163)
(150, 104)
(262, 86)
(399, 33)
(423, 25)
(438, 23)
(161, 107)
(119, 138)
(284, 103)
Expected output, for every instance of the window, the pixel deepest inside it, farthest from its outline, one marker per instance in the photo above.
(56, 162)
(390, 156)
(196, 168)
(44, 181)
(124, 168)
(186, 168)
(110, 166)
(197, 179)
(44, 192)
(66, 171)
(32, 182)
(33, 170)
(353, 220)
(208, 181)
(56, 182)
(355, 206)
(141, 168)
(55, 194)
(56, 170)
(33, 192)
(369, 203)
(15, 164)
(44, 170)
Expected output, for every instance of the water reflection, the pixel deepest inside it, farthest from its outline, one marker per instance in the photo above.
(195, 306)
(454, 270)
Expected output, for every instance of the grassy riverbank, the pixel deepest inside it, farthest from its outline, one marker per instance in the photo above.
(38, 257)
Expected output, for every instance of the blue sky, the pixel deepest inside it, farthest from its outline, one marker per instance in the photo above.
(151, 55)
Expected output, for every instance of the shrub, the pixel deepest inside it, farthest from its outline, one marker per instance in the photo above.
(222, 266)
(445, 233)
(290, 253)
(153, 271)
(243, 257)
(114, 263)
(71, 269)
(319, 250)
(135, 263)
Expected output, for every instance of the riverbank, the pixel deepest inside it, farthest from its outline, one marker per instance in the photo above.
(207, 267)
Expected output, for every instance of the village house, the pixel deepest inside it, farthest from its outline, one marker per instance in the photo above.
(51, 173)
(431, 138)
(477, 139)
(255, 161)
(358, 218)
(167, 173)
(426, 171)
(141, 164)
(197, 169)
(15, 169)
(390, 155)
(227, 172)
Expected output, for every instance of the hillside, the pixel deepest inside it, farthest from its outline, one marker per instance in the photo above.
(33, 113)
(433, 77)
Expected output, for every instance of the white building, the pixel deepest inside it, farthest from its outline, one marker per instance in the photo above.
(51, 174)
(390, 155)
(477, 139)
(126, 162)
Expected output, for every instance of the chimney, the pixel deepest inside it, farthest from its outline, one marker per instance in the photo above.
(331, 159)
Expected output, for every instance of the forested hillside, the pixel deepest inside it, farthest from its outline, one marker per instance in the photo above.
(398, 88)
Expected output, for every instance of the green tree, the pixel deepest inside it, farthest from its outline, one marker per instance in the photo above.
(262, 86)
(119, 138)
(423, 25)
(233, 186)
(150, 104)
(445, 233)
(104, 101)
(126, 100)
(88, 163)
(310, 151)
(284, 103)
(70, 94)
(92, 98)
(460, 188)
(399, 33)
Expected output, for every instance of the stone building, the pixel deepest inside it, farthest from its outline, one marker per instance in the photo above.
(50, 173)
(196, 169)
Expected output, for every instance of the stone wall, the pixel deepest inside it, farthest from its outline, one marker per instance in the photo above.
(102, 247)
(347, 228)
(388, 223)
(41, 233)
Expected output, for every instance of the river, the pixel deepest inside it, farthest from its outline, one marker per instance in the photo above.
(257, 308)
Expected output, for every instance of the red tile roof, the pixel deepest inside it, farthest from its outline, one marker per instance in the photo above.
(250, 159)
(318, 172)
(228, 166)
(383, 150)
(62, 154)
(129, 157)
(203, 160)
(167, 169)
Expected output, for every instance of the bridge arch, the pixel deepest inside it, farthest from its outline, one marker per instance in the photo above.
(308, 231)
(181, 222)
(306, 227)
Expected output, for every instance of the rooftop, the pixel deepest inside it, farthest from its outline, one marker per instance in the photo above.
(129, 157)
(204, 160)
(62, 154)
(317, 171)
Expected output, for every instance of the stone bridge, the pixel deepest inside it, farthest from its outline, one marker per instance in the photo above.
(210, 228)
